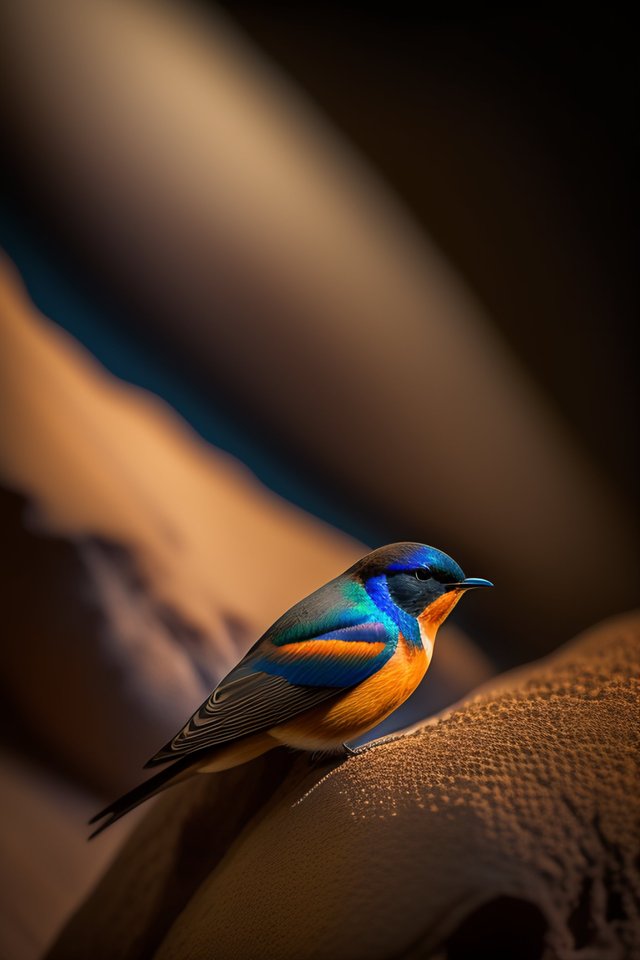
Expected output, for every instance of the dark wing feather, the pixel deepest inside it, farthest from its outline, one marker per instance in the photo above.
(243, 707)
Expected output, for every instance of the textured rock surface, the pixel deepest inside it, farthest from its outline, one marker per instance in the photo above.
(511, 822)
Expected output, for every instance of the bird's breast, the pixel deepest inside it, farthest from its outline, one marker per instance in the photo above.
(362, 707)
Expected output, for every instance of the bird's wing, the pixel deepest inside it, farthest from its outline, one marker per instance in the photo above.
(280, 678)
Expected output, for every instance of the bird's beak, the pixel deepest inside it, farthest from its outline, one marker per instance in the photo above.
(469, 583)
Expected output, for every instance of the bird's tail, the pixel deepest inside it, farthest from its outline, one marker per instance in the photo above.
(139, 794)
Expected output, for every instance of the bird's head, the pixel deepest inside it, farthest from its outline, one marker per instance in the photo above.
(418, 580)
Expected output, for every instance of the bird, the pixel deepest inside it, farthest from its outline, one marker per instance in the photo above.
(328, 670)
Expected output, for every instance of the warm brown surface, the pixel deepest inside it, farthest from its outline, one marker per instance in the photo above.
(515, 816)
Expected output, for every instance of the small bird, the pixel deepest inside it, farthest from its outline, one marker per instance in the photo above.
(331, 668)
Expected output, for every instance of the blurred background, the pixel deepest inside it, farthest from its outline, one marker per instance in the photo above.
(373, 269)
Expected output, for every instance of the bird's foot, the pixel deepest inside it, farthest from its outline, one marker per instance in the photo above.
(349, 751)
(372, 744)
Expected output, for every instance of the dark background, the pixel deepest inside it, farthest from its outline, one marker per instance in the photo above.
(513, 139)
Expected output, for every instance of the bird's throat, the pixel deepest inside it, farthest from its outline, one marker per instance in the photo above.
(434, 615)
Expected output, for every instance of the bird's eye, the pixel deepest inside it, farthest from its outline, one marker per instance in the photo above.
(423, 573)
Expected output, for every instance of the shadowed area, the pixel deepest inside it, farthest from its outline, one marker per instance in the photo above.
(511, 818)
(502, 928)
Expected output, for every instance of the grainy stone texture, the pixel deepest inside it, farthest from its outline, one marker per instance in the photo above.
(509, 824)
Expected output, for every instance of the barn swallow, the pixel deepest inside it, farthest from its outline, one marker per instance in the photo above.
(331, 668)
